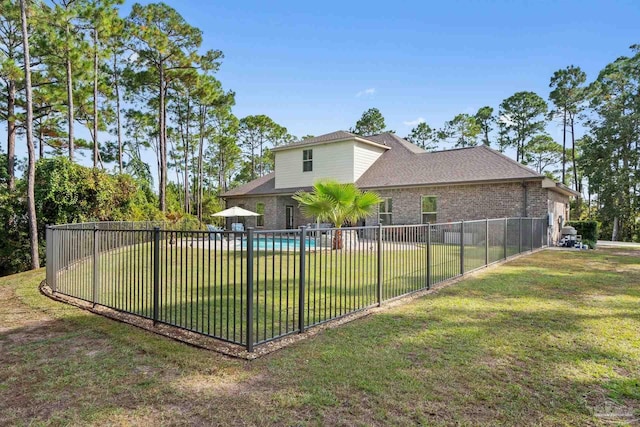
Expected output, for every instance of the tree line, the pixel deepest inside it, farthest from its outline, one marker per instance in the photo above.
(598, 156)
(86, 81)
(79, 79)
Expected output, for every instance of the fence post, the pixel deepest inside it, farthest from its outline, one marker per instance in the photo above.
(96, 259)
(462, 247)
(48, 251)
(156, 273)
(250, 289)
(379, 284)
(301, 296)
(520, 235)
(429, 256)
(532, 233)
(506, 228)
(486, 242)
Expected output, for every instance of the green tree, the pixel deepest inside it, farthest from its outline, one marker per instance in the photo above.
(463, 130)
(103, 23)
(568, 96)
(165, 45)
(371, 123)
(257, 133)
(485, 119)
(11, 74)
(31, 202)
(423, 136)
(521, 117)
(63, 46)
(209, 96)
(337, 203)
(610, 156)
(543, 152)
(224, 155)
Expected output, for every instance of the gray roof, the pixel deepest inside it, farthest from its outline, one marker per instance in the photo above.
(402, 165)
(406, 164)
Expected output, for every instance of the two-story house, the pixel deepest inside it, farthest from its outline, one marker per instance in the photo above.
(417, 186)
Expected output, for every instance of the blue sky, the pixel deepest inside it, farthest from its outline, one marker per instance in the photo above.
(314, 67)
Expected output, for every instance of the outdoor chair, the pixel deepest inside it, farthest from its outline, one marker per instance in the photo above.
(237, 227)
(215, 233)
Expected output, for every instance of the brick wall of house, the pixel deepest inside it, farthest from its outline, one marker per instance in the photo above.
(274, 211)
(468, 202)
(454, 203)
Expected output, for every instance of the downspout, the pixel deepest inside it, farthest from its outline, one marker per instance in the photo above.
(525, 197)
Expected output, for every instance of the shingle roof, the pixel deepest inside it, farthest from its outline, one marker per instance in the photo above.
(402, 165)
(406, 164)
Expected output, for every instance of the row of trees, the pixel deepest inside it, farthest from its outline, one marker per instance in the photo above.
(80, 79)
(598, 156)
(116, 87)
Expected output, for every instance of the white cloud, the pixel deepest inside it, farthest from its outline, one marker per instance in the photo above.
(414, 122)
(369, 92)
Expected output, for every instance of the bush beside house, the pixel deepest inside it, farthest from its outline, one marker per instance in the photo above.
(590, 231)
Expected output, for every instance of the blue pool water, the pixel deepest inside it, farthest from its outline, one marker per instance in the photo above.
(276, 243)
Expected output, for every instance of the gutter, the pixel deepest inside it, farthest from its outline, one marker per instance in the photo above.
(291, 191)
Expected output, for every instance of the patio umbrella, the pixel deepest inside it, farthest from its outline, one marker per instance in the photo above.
(235, 212)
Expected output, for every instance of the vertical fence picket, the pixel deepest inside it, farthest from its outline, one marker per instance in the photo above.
(302, 278)
(461, 247)
(249, 299)
(96, 260)
(429, 256)
(486, 242)
(379, 265)
(156, 273)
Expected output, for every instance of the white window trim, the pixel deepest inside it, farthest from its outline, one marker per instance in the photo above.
(389, 213)
(307, 161)
(260, 216)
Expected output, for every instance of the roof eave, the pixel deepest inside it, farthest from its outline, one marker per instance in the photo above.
(449, 183)
(330, 141)
(290, 191)
(559, 188)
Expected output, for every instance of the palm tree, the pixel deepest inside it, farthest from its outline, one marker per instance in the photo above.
(337, 203)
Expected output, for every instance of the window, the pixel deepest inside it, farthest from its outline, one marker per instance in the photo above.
(429, 209)
(307, 160)
(385, 211)
(260, 210)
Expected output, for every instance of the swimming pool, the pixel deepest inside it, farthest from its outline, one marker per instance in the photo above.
(278, 243)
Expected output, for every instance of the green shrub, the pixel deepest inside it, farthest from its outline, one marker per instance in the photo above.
(67, 192)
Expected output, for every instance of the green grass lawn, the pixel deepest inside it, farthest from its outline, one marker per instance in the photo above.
(204, 289)
(548, 339)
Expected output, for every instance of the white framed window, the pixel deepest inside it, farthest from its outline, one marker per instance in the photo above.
(429, 209)
(260, 210)
(307, 160)
(385, 211)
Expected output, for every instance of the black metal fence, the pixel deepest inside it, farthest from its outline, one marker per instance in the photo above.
(252, 287)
